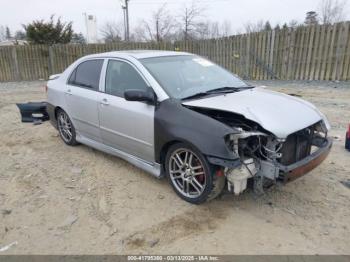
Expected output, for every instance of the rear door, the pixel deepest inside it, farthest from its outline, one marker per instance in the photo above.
(126, 125)
(83, 96)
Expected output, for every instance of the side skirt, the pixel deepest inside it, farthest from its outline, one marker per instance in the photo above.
(152, 168)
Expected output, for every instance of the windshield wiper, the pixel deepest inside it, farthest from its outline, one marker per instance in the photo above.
(228, 89)
(220, 90)
(198, 95)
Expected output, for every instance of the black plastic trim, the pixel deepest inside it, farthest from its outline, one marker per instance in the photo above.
(28, 110)
(224, 162)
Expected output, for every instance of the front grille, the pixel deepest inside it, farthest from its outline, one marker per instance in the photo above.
(297, 146)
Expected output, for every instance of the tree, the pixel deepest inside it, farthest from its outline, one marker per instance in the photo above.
(8, 33)
(214, 30)
(51, 32)
(211, 30)
(311, 18)
(293, 23)
(267, 26)
(189, 17)
(78, 39)
(20, 35)
(112, 32)
(203, 30)
(161, 26)
(138, 33)
(226, 29)
(254, 27)
(2, 33)
(332, 11)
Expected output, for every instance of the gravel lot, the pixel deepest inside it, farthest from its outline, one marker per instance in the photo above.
(56, 199)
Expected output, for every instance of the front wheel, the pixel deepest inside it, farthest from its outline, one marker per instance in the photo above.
(191, 176)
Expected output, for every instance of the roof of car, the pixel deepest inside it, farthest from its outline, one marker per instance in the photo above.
(139, 54)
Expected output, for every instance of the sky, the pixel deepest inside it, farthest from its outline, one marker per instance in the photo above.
(13, 13)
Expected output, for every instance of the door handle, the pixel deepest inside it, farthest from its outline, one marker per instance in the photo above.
(68, 92)
(104, 102)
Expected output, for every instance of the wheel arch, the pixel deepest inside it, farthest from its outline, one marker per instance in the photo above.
(57, 108)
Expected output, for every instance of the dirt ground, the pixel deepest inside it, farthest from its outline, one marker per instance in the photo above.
(56, 199)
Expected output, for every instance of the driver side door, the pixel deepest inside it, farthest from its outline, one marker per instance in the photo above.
(126, 125)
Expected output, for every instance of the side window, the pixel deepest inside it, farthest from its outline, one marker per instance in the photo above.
(72, 77)
(121, 76)
(87, 74)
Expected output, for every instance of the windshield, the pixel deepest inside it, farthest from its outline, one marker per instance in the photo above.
(188, 75)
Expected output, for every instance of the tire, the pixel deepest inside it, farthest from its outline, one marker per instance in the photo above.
(191, 176)
(66, 128)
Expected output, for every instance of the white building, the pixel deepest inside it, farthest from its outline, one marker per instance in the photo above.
(91, 29)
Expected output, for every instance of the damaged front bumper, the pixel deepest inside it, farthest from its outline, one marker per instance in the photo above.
(265, 172)
(291, 172)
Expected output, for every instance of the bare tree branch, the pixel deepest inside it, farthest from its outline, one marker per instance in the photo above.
(332, 11)
(159, 28)
(254, 27)
(189, 19)
(111, 32)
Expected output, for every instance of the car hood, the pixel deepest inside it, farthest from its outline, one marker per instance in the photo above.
(278, 113)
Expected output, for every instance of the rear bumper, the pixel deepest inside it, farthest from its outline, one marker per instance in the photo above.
(302, 167)
(33, 111)
(44, 110)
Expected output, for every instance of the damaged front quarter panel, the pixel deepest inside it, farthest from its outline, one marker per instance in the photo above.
(226, 139)
(177, 123)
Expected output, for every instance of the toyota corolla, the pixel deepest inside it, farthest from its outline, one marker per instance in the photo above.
(181, 116)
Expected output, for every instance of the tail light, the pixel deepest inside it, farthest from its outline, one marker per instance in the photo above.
(348, 133)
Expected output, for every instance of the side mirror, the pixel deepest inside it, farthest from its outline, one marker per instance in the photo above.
(140, 95)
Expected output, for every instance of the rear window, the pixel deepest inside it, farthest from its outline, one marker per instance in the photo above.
(87, 75)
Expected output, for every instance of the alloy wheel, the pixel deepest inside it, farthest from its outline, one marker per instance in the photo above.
(186, 172)
(65, 127)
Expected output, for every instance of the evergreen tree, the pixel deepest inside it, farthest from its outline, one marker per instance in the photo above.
(277, 27)
(51, 32)
(311, 18)
(78, 39)
(8, 33)
(20, 35)
(267, 26)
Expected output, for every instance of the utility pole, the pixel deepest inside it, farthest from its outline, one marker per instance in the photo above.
(125, 7)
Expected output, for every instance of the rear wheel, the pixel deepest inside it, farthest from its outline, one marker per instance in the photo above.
(191, 176)
(66, 128)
